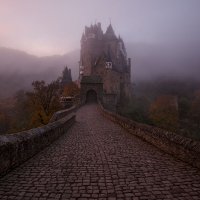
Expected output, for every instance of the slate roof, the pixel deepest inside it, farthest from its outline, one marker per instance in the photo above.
(110, 34)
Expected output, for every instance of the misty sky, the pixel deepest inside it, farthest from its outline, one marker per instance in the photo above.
(47, 27)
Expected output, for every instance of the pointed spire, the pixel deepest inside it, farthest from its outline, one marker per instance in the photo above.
(83, 35)
(119, 38)
(110, 30)
(110, 34)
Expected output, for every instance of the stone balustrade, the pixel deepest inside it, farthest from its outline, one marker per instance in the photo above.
(18, 147)
(180, 147)
(62, 113)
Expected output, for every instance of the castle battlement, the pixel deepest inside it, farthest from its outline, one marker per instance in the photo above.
(92, 32)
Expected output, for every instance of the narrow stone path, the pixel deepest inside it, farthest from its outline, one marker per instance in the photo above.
(97, 159)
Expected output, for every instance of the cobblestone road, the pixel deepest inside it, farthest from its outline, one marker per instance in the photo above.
(97, 159)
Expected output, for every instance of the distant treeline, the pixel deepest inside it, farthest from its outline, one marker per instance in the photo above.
(19, 69)
(167, 103)
(33, 108)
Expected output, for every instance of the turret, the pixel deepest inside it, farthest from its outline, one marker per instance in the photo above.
(110, 34)
(66, 76)
(83, 38)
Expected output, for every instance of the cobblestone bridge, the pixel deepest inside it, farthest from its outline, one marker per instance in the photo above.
(97, 159)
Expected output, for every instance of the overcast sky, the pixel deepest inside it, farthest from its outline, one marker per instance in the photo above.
(47, 27)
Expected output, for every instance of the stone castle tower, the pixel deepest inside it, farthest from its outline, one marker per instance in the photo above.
(66, 76)
(104, 55)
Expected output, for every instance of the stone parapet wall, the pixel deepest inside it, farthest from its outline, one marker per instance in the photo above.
(180, 147)
(62, 113)
(19, 147)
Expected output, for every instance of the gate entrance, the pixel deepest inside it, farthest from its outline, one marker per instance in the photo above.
(91, 97)
(91, 89)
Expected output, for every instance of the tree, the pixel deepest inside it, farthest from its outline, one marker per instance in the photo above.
(71, 89)
(66, 76)
(4, 122)
(184, 107)
(43, 101)
(6, 107)
(21, 112)
(195, 109)
(137, 109)
(164, 112)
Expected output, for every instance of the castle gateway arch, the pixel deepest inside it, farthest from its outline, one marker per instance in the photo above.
(91, 96)
(91, 89)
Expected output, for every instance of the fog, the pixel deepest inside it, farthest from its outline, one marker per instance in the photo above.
(54, 27)
(19, 69)
(178, 61)
(162, 37)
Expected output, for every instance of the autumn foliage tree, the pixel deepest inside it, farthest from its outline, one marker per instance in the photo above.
(163, 112)
(43, 101)
(21, 112)
(137, 109)
(71, 89)
(6, 107)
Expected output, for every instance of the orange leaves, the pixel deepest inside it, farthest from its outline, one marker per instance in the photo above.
(71, 89)
(43, 101)
(164, 112)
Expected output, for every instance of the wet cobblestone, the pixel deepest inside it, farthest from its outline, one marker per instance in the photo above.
(97, 159)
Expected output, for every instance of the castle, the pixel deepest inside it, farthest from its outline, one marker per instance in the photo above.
(103, 59)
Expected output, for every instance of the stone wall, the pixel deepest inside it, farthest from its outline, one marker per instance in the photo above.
(180, 147)
(62, 113)
(19, 147)
(110, 101)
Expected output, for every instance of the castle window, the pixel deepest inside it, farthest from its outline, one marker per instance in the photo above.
(81, 67)
(81, 70)
(91, 35)
(108, 65)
